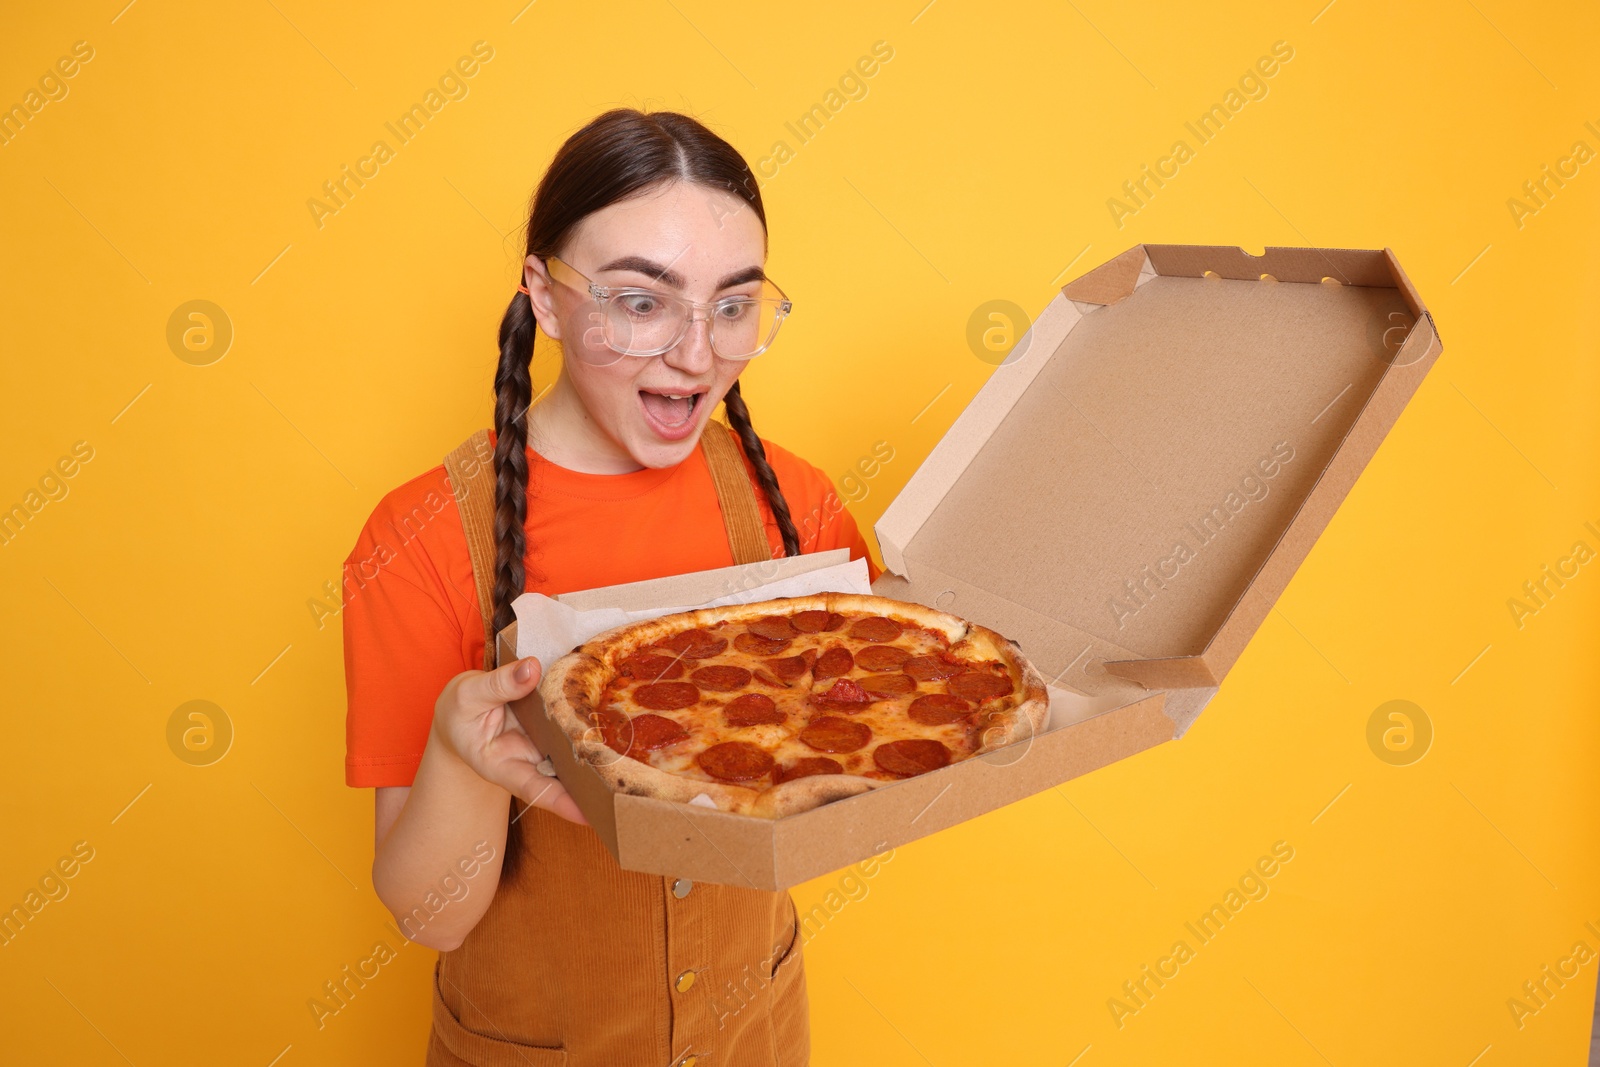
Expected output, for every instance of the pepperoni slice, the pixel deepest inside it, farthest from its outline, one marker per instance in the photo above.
(772, 627)
(833, 663)
(977, 686)
(767, 680)
(648, 668)
(917, 755)
(816, 622)
(846, 694)
(881, 658)
(790, 668)
(875, 628)
(752, 709)
(931, 668)
(654, 731)
(888, 685)
(666, 696)
(735, 761)
(830, 734)
(720, 678)
(612, 723)
(693, 644)
(639, 734)
(756, 645)
(938, 709)
(806, 766)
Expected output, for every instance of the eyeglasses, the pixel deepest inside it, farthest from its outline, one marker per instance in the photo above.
(635, 321)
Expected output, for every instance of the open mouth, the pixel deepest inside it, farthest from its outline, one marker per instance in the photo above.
(670, 412)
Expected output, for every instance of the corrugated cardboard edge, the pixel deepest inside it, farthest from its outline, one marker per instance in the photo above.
(1348, 266)
(1115, 279)
(1413, 301)
(1183, 706)
(505, 645)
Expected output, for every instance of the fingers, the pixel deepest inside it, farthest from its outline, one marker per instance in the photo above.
(512, 724)
(563, 805)
(514, 744)
(554, 798)
(481, 690)
(513, 757)
(539, 791)
(516, 760)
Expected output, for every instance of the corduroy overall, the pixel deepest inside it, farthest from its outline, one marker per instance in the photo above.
(581, 963)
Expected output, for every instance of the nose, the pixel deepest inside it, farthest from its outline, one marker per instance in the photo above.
(692, 354)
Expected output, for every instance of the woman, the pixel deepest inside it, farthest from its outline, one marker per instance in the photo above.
(550, 953)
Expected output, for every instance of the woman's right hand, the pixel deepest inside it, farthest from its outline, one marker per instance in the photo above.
(473, 721)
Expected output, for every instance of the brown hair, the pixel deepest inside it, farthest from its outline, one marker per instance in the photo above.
(619, 154)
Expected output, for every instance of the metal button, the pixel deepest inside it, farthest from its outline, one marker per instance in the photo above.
(681, 887)
(685, 981)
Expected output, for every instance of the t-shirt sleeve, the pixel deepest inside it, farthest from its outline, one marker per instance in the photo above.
(402, 643)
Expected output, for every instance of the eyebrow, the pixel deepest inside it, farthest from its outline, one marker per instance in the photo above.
(668, 276)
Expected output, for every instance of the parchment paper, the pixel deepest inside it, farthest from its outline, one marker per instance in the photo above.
(549, 629)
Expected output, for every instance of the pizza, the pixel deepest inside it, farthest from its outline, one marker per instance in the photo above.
(780, 706)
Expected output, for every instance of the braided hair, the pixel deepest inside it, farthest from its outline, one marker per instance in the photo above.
(619, 154)
(739, 421)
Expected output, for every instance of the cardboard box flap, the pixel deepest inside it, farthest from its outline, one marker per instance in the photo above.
(1409, 291)
(1111, 281)
(1152, 472)
(1348, 266)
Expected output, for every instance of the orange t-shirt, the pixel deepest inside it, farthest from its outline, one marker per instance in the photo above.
(411, 620)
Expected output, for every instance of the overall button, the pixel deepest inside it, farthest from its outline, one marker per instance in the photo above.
(685, 981)
(681, 887)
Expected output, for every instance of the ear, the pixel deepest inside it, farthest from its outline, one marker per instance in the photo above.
(541, 296)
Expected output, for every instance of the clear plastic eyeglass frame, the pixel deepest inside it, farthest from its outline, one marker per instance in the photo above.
(638, 321)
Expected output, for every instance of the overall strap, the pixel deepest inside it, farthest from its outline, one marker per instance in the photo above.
(470, 467)
(741, 513)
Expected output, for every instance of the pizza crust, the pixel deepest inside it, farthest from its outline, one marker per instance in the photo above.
(1032, 713)
(812, 791)
(573, 685)
(951, 626)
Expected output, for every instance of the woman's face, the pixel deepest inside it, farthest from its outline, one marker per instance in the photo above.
(689, 240)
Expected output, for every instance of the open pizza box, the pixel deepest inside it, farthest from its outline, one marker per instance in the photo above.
(1126, 497)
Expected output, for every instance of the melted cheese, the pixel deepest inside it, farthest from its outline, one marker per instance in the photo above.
(887, 715)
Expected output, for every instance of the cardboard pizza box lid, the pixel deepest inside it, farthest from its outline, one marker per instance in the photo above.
(1135, 485)
(1139, 413)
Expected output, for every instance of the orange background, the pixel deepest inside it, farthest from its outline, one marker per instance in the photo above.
(182, 559)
